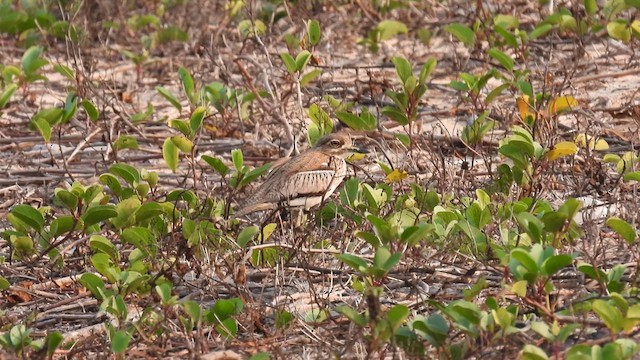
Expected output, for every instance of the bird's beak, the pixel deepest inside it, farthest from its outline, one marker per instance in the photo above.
(358, 150)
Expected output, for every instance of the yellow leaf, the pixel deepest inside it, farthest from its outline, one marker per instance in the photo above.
(396, 176)
(561, 149)
(601, 144)
(520, 288)
(523, 107)
(582, 139)
(562, 103)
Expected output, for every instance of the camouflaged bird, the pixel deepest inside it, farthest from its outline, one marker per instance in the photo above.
(305, 180)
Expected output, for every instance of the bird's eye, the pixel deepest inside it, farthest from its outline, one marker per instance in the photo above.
(334, 143)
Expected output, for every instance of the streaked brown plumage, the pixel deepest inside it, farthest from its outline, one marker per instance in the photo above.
(304, 180)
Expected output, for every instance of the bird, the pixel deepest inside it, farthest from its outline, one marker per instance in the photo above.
(305, 180)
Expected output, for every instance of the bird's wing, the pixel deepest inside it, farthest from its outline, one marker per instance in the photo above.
(304, 162)
(303, 184)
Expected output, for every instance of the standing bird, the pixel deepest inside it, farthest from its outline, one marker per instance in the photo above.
(305, 180)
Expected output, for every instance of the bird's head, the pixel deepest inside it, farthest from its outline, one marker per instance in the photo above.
(338, 145)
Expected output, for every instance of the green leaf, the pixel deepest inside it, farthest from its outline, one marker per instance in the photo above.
(289, 62)
(226, 308)
(142, 238)
(61, 225)
(463, 33)
(591, 6)
(127, 172)
(539, 31)
(532, 226)
(170, 97)
(427, 69)
(351, 120)
(283, 318)
(193, 309)
(254, 174)
(611, 316)
(66, 199)
(496, 92)
(99, 243)
(622, 228)
(520, 288)
(125, 142)
(632, 176)
(195, 123)
(619, 30)
(260, 356)
(6, 94)
(4, 283)
(120, 341)
(170, 154)
(31, 61)
(43, 128)
(525, 259)
(180, 125)
(506, 21)
(395, 115)
(251, 27)
(237, 159)
(392, 261)
(22, 244)
(52, 342)
(355, 262)
(302, 59)
(246, 235)
(525, 87)
(216, 164)
(91, 110)
(111, 182)
(164, 291)
(532, 352)
(403, 68)
(65, 71)
(368, 121)
(555, 263)
(142, 116)
(148, 211)
(93, 283)
(414, 234)
(30, 216)
(508, 37)
(352, 315)
(505, 60)
(633, 3)
(187, 83)
(397, 315)
(390, 28)
(313, 30)
(70, 107)
(181, 142)
(142, 189)
(459, 85)
(309, 77)
(96, 214)
(635, 28)
(169, 34)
